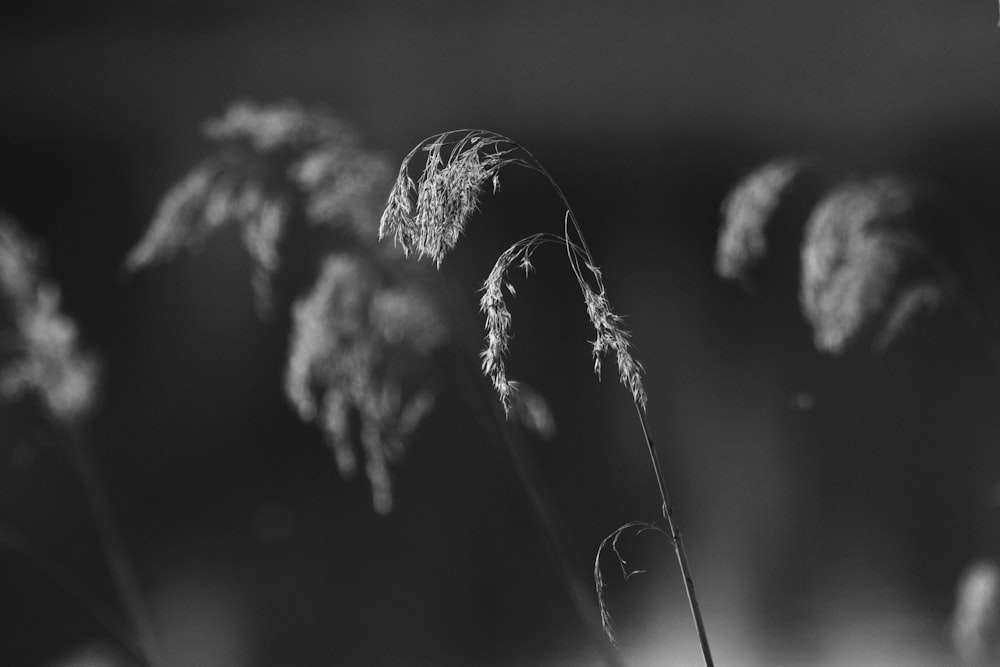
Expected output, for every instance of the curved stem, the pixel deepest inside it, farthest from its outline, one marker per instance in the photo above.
(675, 534)
(119, 563)
(555, 539)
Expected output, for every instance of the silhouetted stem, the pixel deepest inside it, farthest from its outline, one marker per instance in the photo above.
(119, 563)
(675, 534)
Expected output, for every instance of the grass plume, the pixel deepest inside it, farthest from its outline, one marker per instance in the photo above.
(868, 265)
(356, 348)
(272, 159)
(427, 216)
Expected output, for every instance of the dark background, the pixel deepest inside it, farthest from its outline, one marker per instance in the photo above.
(829, 504)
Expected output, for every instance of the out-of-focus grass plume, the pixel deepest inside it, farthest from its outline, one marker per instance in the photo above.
(747, 212)
(869, 267)
(975, 628)
(40, 354)
(273, 159)
(865, 266)
(357, 364)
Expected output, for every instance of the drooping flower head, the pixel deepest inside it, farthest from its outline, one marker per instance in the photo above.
(869, 257)
(40, 355)
(427, 217)
(975, 626)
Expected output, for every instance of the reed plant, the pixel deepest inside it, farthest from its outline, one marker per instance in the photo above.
(428, 214)
(876, 255)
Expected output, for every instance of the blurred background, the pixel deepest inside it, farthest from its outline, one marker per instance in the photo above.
(829, 504)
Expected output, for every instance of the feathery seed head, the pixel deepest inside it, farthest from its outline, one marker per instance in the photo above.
(611, 335)
(44, 358)
(747, 211)
(356, 341)
(270, 127)
(345, 188)
(272, 157)
(860, 259)
(498, 320)
(429, 215)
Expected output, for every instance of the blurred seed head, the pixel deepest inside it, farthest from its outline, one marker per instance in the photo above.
(355, 365)
(274, 161)
(746, 213)
(40, 354)
(427, 217)
(864, 265)
(974, 627)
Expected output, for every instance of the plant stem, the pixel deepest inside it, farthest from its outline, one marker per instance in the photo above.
(667, 507)
(120, 565)
(47, 566)
(675, 534)
(511, 445)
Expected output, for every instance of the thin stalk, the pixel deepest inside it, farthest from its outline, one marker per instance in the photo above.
(667, 506)
(546, 515)
(675, 534)
(106, 619)
(120, 565)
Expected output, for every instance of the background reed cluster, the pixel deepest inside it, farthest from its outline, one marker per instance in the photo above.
(830, 504)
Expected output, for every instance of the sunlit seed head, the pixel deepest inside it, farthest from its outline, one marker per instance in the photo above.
(857, 253)
(747, 212)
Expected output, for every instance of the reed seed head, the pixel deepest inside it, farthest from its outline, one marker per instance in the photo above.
(864, 265)
(975, 626)
(429, 215)
(274, 160)
(746, 213)
(41, 355)
(354, 365)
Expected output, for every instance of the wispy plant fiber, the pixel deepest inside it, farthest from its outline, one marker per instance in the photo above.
(859, 256)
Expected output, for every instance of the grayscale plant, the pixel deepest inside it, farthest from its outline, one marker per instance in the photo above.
(864, 265)
(369, 323)
(40, 354)
(272, 158)
(41, 358)
(868, 267)
(357, 344)
(427, 216)
(748, 211)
